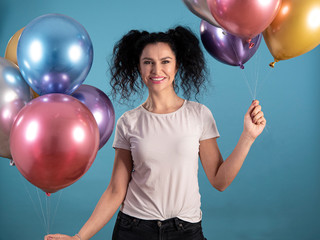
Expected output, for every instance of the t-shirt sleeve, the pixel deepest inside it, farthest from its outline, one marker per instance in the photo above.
(120, 138)
(209, 127)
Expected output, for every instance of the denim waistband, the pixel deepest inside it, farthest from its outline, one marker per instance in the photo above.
(172, 222)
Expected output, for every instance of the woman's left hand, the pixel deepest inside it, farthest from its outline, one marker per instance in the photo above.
(254, 121)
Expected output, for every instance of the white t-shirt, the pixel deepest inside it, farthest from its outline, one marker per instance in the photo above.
(165, 153)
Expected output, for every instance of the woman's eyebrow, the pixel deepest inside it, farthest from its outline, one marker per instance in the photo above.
(147, 58)
(166, 58)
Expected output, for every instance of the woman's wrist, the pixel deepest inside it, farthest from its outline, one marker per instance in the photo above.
(246, 138)
(78, 236)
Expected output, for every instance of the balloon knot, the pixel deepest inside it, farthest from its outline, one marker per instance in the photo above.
(273, 63)
(48, 194)
(12, 163)
(241, 66)
(251, 45)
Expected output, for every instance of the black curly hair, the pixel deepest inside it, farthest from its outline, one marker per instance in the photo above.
(190, 60)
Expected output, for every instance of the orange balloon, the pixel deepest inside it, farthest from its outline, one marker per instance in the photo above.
(11, 50)
(295, 30)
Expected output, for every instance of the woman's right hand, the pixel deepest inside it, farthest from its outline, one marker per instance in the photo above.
(60, 237)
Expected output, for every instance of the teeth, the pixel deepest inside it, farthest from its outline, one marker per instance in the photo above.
(157, 79)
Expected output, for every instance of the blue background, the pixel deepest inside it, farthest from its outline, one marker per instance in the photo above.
(276, 195)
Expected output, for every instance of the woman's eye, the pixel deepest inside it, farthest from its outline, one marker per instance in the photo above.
(165, 62)
(147, 62)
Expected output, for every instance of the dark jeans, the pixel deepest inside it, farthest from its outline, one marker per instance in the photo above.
(130, 228)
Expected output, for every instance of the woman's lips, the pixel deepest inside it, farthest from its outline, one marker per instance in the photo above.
(157, 80)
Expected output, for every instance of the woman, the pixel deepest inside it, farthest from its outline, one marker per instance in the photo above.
(157, 145)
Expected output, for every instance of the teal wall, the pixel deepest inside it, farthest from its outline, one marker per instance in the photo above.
(276, 195)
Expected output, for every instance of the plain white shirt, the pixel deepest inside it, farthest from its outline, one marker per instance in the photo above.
(165, 153)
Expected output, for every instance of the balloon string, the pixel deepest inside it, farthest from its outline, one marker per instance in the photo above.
(48, 221)
(48, 213)
(243, 74)
(33, 203)
(257, 62)
(248, 85)
(266, 77)
(267, 128)
(58, 202)
(261, 80)
(44, 219)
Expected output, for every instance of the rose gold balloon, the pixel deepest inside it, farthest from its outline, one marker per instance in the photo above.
(54, 141)
(244, 18)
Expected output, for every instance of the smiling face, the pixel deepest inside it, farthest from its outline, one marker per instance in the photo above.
(158, 67)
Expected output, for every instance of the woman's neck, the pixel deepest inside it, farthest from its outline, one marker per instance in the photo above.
(163, 104)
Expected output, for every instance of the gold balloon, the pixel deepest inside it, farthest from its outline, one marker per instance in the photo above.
(35, 95)
(11, 53)
(295, 30)
(11, 50)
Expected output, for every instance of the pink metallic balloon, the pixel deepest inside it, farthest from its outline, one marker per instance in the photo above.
(245, 18)
(54, 140)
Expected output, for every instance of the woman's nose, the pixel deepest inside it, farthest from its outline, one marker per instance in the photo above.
(156, 68)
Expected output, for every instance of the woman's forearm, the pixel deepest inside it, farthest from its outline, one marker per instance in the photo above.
(103, 212)
(229, 169)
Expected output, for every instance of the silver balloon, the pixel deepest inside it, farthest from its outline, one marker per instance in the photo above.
(15, 93)
(200, 8)
(54, 54)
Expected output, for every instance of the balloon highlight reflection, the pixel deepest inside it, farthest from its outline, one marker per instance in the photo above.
(227, 48)
(295, 30)
(15, 93)
(54, 54)
(245, 18)
(101, 107)
(54, 140)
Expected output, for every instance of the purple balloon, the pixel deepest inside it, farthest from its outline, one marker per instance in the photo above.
(100, 106)
(227, 48)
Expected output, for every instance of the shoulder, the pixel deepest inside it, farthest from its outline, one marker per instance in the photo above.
(131, 113)
(130, 116)
(196, 107)
(199, 110)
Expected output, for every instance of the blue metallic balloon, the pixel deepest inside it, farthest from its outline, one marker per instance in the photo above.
(227, 48)
(101, 108)
(15, 93)
(54, 54)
